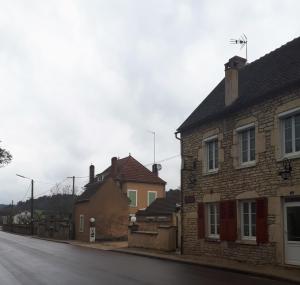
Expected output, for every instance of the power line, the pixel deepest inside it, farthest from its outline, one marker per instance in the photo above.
(26, 193)
(165, 159)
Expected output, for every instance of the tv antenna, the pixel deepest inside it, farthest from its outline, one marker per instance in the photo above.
(153, 133)
(243, 41)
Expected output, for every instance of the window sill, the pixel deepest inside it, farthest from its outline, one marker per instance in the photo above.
(293, 155)
(246, 241)
(247, 165)
(211, 172)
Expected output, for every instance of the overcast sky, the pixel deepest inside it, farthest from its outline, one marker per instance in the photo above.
(83, 81)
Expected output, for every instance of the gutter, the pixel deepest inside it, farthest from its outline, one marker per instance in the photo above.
(181, 193)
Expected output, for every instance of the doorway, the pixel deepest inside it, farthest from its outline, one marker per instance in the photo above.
(292, 232)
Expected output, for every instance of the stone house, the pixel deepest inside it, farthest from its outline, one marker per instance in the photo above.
(115, 194)
(241, 163)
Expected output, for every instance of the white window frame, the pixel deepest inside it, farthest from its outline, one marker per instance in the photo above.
(283, 118)
(136, 198)
(240, 131)
(207, 141)
(81, 223)
(216, 210)
(148, 200)
(250, 237)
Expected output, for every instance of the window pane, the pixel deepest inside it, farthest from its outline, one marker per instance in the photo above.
(212, 230)
(245, 208)
(151, 197)
(246, 230)
(288, 135)
(210, 156)
(212, 149)
(216, 154)
(252, 144)
(244, 146)
(293, 223)
(253, 207)
(132, 198)
(297, 133)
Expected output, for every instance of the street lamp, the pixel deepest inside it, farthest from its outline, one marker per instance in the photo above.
(31, 224)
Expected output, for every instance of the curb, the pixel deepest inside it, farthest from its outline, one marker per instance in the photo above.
(209, 265)
(53, 240)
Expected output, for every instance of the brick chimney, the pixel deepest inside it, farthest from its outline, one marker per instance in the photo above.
(155, 169)
(113, 169)
(232, 78)
(92, 173)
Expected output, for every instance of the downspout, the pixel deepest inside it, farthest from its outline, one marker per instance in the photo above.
(181, 193)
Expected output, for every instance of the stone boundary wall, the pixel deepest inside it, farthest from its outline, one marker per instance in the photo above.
(163, 239)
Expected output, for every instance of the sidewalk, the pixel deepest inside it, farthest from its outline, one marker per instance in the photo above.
(273, 272)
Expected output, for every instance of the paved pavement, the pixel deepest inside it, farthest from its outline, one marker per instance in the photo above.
(28, 261)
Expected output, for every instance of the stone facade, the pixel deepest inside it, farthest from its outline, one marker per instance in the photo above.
(233, 181)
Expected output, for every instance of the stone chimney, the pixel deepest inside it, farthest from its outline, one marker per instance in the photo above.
(232, 78)
(113, 168)
(155, 169)
(92, 173)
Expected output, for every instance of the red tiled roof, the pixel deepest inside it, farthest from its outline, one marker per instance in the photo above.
(129, 169)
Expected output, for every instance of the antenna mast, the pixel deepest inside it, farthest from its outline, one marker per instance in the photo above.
(153, 133)
(243, 41)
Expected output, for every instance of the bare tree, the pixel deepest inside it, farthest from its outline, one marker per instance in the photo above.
(5, 157)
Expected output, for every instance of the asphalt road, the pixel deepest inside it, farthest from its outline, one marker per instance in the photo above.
(28, 261)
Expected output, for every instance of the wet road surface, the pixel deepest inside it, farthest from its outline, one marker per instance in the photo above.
(28, 261)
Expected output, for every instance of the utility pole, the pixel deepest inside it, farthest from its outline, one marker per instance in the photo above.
(31, 203)
(73, 187)
(31, 215)
(72, 235)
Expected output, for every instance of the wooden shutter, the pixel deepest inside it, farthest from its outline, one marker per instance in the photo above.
(201, 221)
(261, 220)
(223, 220)
(228, 227)
(231, 224)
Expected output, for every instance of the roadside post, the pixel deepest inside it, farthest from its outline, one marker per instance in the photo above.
(92, 230)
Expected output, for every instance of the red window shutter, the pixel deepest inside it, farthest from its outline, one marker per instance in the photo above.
(231, 223)
(261, 220)
(223, 221)
(228, 227)
(201, 222)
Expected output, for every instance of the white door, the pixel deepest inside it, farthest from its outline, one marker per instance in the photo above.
(292, 232)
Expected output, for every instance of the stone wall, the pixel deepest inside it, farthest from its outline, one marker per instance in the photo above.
(164, 238)
(233, 181)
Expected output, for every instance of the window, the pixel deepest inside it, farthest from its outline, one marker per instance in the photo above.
(247, 145)
(81, 223)
(291, 134)
(151, 197)
(248, 220)
(132, 195)
(213, 221)
(212, 155)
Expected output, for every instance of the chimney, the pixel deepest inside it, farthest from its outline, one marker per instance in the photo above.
(155, 169)
(92, 173)
(232, 78)
(113, 169)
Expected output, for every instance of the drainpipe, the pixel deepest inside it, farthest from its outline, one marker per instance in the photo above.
(181, 194)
